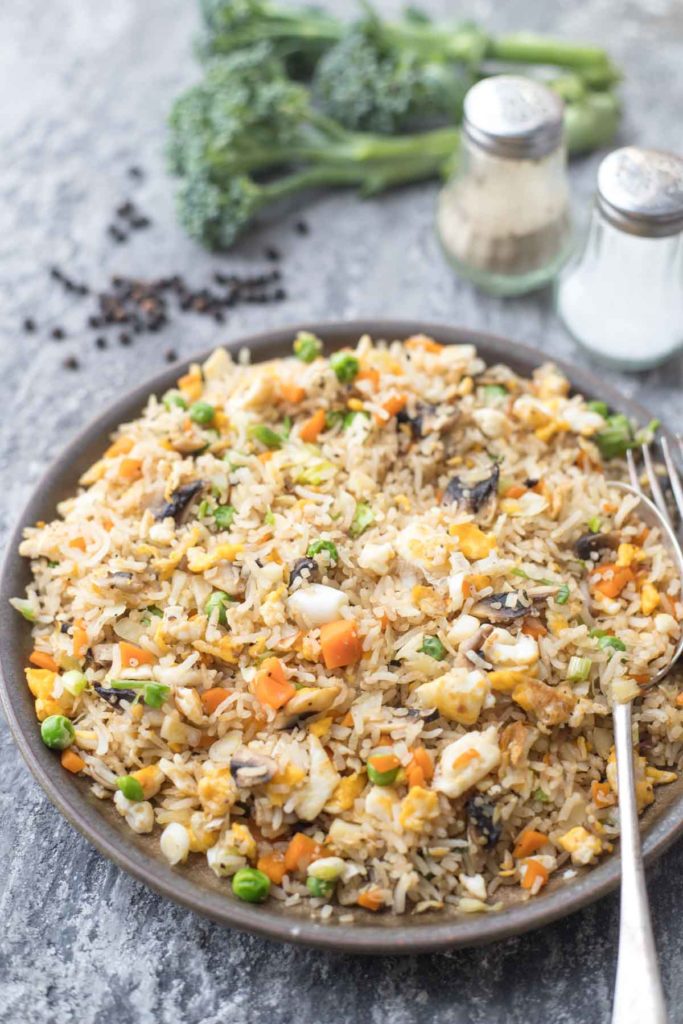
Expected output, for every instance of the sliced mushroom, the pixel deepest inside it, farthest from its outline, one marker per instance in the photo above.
(474, 643)
(312, 699)
(305, 569)
(250, 769)
(180, 499)
(113, 697)
(424, 714)
(472, 496)
(591, 543)
(503, 607)
(188, 444)
(480, 815)
(129, 582)
(428, 419)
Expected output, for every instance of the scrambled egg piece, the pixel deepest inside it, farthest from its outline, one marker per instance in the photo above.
(472, 542)
(503, 649)
(459, 695)
(467, 761)
(217, 791)
(582, 845)
(423, 547)
(323, 779)
(418, 808)
(346, 793)
(380, 803)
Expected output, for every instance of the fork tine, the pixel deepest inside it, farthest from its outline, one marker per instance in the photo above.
(633, 472)
(654, 485)
(673, 475)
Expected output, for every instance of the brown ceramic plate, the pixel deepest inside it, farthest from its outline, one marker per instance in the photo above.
(194, 885)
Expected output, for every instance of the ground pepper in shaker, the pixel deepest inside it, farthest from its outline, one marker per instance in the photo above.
(622, 296)
(503, 218)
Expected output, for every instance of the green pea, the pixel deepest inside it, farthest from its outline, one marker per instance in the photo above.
(57, 732)
(345, 366)
(251, 885)
(74, 682)
(432, 646)
(260, 432)
(614, 642)
(173, 399)
(223, 516)
(492, 392)
(318, 887)
(307, 347)
(562, 596)
(323, 545)
(218, 599)
(130, 787)
(155, 694)
(202, 413)
(387, 778)
(599, 407)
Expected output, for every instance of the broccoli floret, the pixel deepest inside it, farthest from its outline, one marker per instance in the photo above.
(246, 123)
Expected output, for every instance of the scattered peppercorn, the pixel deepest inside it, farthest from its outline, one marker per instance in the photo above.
(301, 227)
(101, 342)
(29, 325)
(136, 172)
(271, 253)
(170, 355)
(58, 333)
(71, 363)
(125, 339)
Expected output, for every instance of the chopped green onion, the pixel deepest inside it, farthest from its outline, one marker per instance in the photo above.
(598, 633)
(74, 682)
(202, 413)
(492, 392)
(599, 407)
(578, 669)
(617, 437)
(520, 572)
(203, 510)
(314, 474)
(307, 347)
(155, 694)
(562, 596)
(611, 641)
(333, 418)
(173, 399)
(540, 795)
(260, 432)
(323, 545)
(130, 787)
(286, 427)
(363, 517)
(269, 517)
(432, 646)
(350, 417)
(154, 609)
(319, 887)
(223, 516)
(345, 366)
(217, 600)
(24, 608)
(52, 564)
(594, 524)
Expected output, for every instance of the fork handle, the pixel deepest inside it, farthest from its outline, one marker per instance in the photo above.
(638, 995)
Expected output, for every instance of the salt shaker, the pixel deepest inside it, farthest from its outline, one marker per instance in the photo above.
(503, 218)
(622, 295)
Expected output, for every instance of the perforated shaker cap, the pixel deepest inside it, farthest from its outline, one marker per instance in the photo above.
(641, 191)
(514, 117)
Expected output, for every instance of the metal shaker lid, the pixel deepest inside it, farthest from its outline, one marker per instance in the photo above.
(641, 191)
(514, 117)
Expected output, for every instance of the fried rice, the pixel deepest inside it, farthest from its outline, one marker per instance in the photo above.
(354, 625)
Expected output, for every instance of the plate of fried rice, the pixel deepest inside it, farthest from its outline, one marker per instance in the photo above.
(318, 636)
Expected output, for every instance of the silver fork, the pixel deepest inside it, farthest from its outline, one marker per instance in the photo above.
(638, 994)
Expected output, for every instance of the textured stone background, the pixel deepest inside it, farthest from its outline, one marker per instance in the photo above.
(85, 87)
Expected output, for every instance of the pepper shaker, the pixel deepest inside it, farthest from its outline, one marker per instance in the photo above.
(503, 218)
(622, 295)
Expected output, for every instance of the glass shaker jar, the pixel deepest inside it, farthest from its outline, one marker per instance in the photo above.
(622, 296)
(503, 218)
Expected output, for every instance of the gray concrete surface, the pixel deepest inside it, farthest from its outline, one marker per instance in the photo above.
(85, 87)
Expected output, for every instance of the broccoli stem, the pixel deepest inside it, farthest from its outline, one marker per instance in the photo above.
(528, 48)
(591, 122)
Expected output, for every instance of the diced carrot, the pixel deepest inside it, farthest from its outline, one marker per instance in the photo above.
(130, 469)
(618, 577)
(191, 385)
(534, 870)
(271, 686)
(392, 406)
(371, 374)
(516, 491)
(370, 899)
(642, 536)
(107, 524)
(533, 627)
(468, 755)
(609, 507)
(205, 741)
(265, 456)
(641, 678)
(384, 762)
(292, 392)
(601, 794)
(273, 865)
(72, 762)
(312, 427)
(301, 852)
(417, 341)
(211, 699)
(42, 660)
(340, 643)
(81, 641)
(421, 768)
(679, 700)
(120, 447)
(347, 720)
(77, 542)
(132, 655)
(529, 842)
(383, 620)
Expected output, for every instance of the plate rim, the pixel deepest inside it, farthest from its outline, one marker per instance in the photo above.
(69, 795)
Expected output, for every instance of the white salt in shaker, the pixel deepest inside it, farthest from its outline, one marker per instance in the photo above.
(503, 218)
(622, 296)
